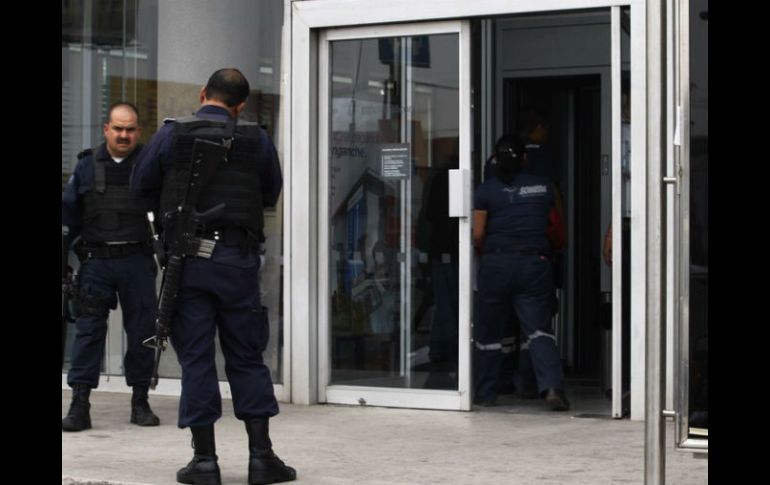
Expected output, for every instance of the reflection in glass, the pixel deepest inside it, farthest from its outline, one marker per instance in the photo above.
(699, 262)
(115, 50)
(393, 275)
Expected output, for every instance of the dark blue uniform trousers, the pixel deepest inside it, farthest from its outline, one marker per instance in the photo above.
(443, 331)
(133, 278)
(521, 283)
(222, 293)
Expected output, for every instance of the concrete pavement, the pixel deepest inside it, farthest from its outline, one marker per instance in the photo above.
(343, 445)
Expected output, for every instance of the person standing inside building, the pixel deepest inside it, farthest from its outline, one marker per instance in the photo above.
(221, 293)
(510, 224)
(516, 371)
(440, 243)
(116, 257)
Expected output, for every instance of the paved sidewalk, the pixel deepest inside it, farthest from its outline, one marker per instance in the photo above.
(343, 445)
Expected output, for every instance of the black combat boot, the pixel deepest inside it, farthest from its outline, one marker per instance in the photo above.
(203, 468)
(264, 465)
(141, 413)
(78, 418)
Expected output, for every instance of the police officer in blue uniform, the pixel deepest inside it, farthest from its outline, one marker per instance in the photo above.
(115, 256)
(515, 274)
(221, 293)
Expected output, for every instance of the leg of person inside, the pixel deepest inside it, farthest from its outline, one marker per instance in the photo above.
(533, 301)
(97, 296)
(524, 378)
(509, 349)
(493, 311)
(136, 287)
(443, 332)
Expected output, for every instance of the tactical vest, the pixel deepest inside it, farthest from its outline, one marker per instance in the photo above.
(236, 182)
(111, 212)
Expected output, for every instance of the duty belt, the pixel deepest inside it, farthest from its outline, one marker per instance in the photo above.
(233, 237)
(531, 252)
(103, 250)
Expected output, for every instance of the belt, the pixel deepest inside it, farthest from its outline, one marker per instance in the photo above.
(531, 252)
(104, 250)
(233, 237)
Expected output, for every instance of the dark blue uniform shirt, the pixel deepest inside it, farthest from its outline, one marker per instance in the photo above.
(156, 158)
(540, 161)
(517, 214)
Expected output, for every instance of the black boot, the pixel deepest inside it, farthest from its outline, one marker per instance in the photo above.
(141, 413)
(78, 418)
(203, 468)
(264, 465)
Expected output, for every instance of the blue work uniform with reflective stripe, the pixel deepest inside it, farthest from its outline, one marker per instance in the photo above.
(218, 294)
(515, 275)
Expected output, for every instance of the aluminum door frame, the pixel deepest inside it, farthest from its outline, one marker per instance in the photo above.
(682, 215)
(384, 396)
(307, 18)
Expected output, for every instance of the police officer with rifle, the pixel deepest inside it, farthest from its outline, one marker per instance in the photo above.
(212, 221)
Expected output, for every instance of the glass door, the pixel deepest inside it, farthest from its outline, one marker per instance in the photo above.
(394, 275)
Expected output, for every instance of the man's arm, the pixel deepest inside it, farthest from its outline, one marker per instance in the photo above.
(70, 212)
(270, 171)
(479, 227)
(147, 173)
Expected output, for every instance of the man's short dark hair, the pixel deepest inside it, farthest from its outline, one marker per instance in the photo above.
(228, 86)
(120, 104)
(510, 143)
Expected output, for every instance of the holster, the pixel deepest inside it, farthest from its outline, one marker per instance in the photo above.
(88, 304)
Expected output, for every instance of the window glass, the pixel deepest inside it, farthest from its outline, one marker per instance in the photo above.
(157, 54)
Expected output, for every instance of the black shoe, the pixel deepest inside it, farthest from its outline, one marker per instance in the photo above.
(264, 466)
(202, 470)
(269, 469)
(78, 418)
(557, 400)
(141, 413)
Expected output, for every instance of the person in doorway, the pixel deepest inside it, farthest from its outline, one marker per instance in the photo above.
(540, 160)
(516, 371)
(221, 293)
(510, 228)
(113, 245)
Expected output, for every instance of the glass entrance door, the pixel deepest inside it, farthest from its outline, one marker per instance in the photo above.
(394, 294)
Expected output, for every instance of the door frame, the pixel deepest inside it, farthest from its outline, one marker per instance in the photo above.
(301, 223)
(382, 396)
(681, 209)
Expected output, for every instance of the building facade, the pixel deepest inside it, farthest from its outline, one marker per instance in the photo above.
(383, 114)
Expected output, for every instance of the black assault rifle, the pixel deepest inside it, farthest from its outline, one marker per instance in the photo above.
(68, 289)
(180, 236)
